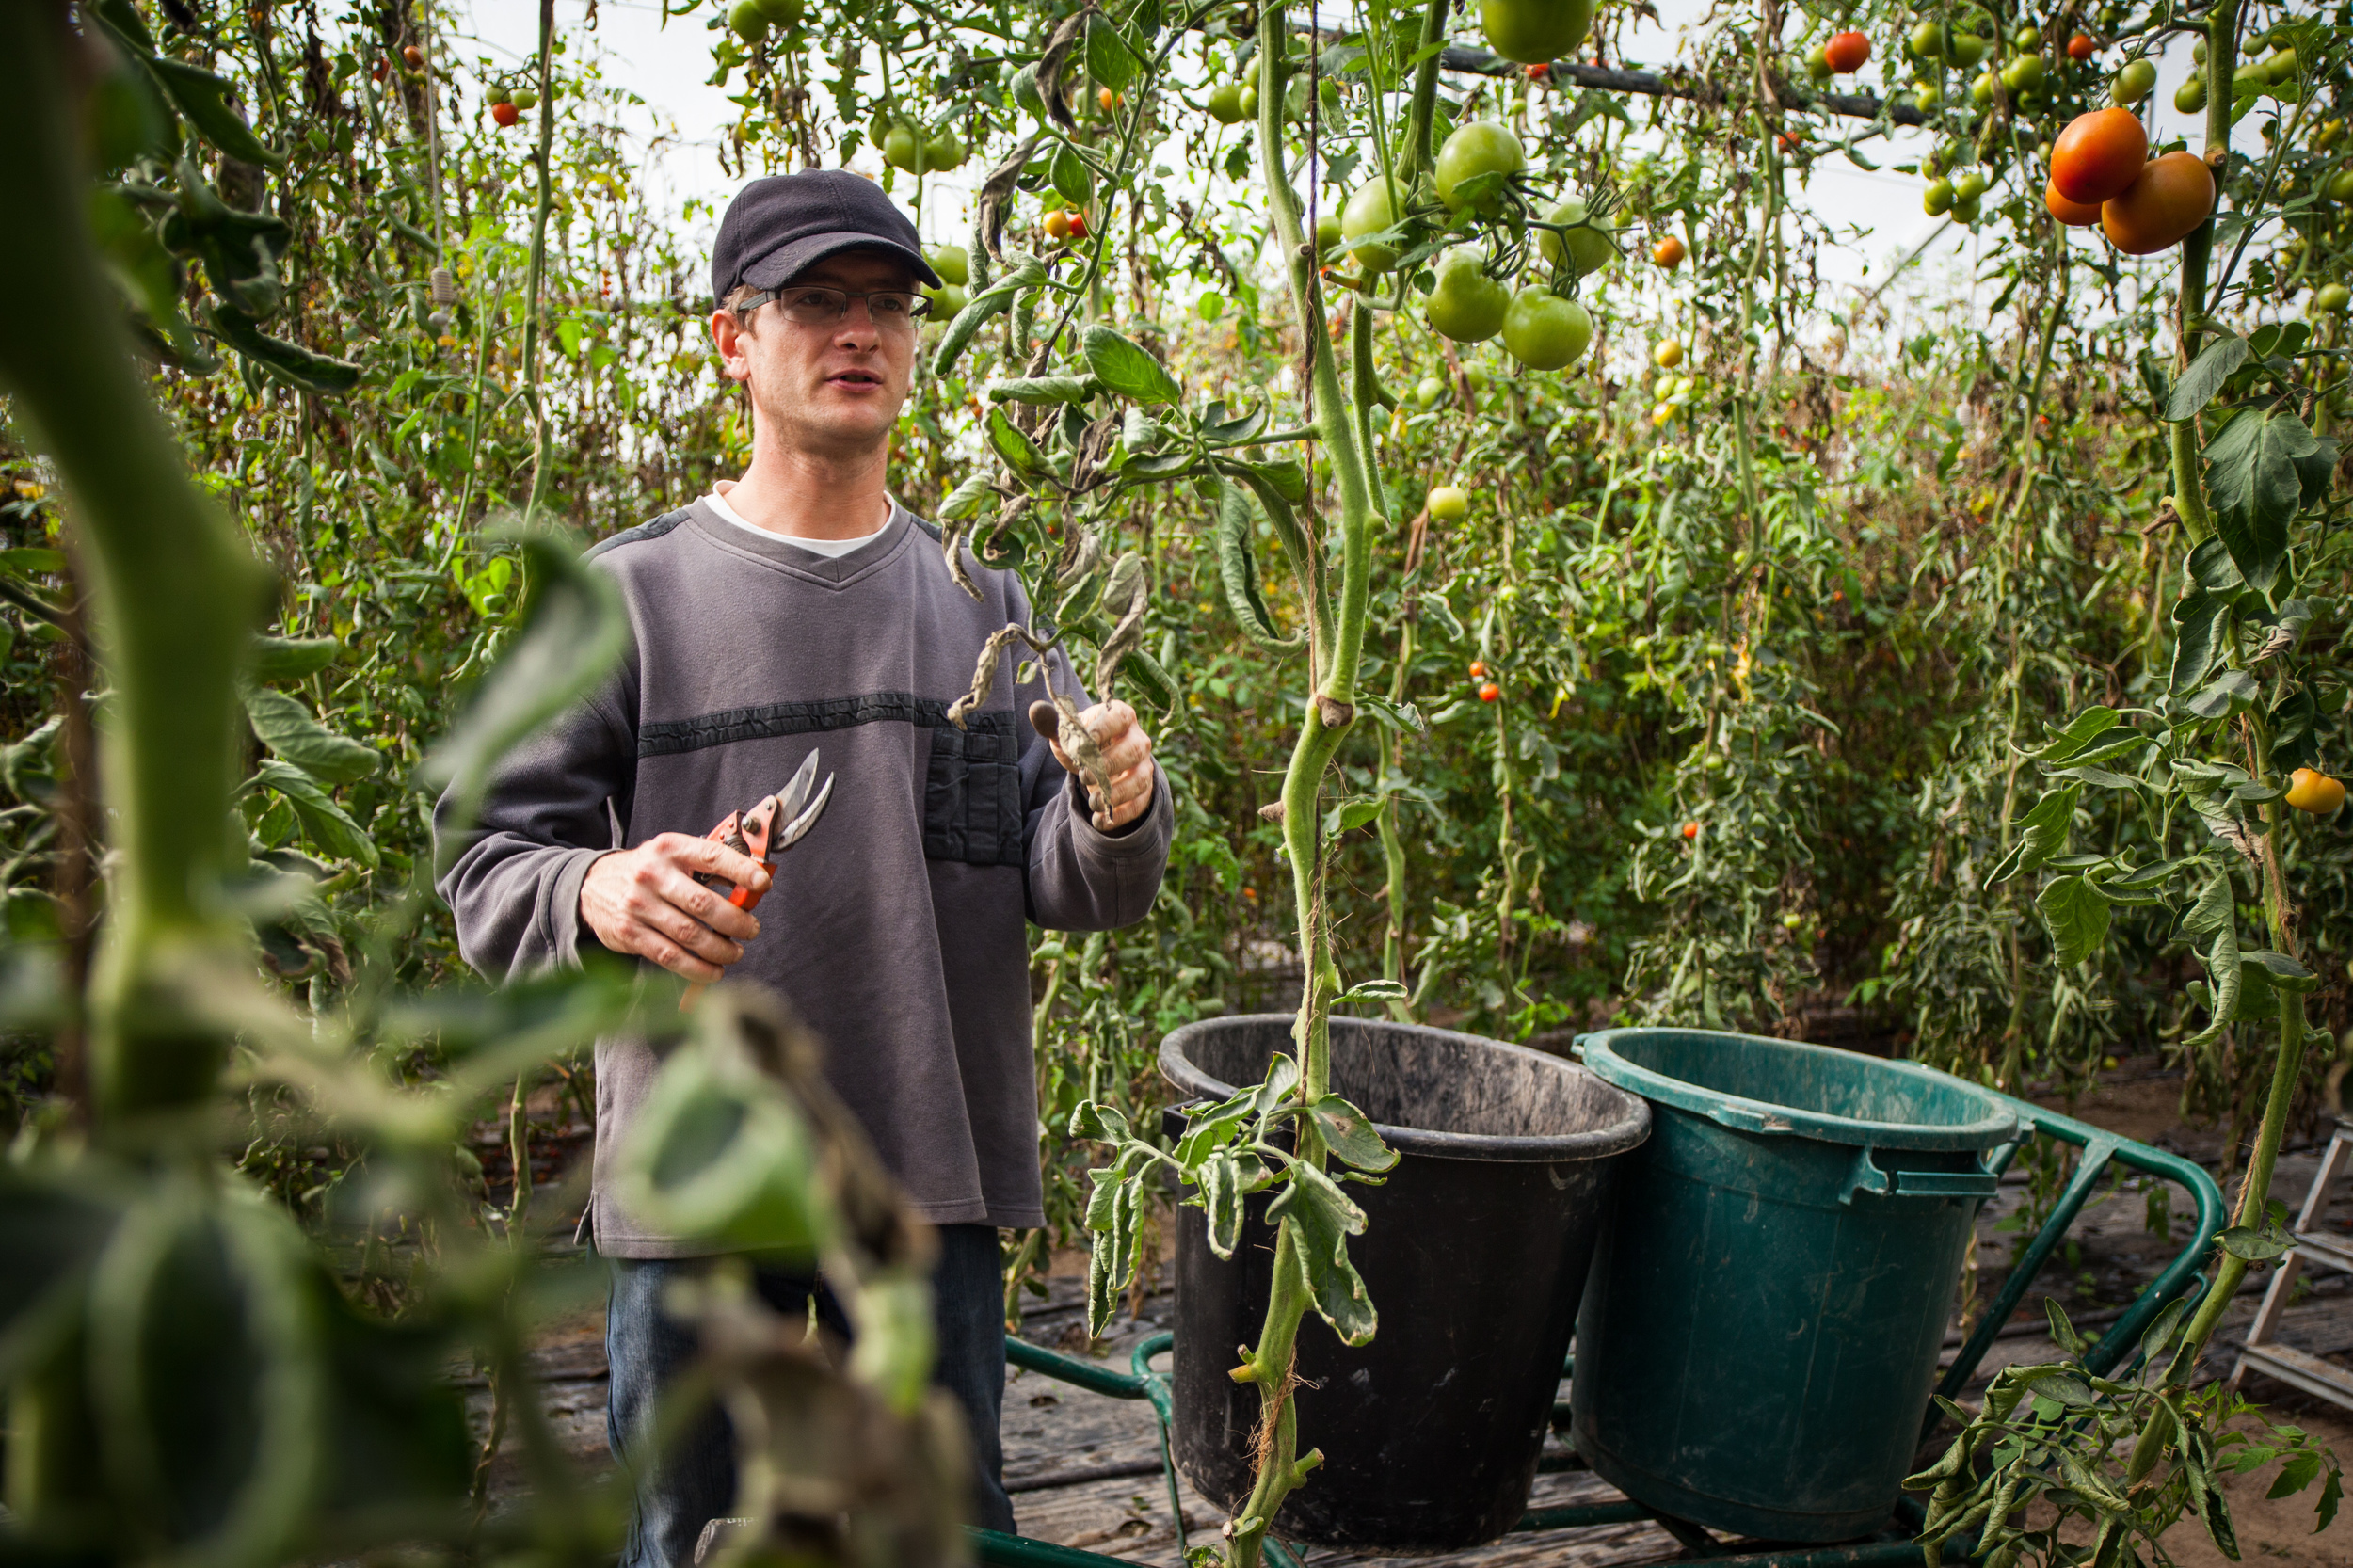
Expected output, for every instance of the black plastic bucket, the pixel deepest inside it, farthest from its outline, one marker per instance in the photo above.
(1475, 1254)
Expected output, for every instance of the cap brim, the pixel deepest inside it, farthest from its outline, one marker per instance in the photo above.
(787, 262)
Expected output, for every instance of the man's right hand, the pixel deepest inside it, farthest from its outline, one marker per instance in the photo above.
(646, 902)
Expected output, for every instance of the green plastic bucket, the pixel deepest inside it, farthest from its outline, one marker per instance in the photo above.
(1760, 1330)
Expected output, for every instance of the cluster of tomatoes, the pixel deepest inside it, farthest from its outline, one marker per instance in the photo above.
(509, 107)
(750, 20)
(1488, 689)
(2100, 172)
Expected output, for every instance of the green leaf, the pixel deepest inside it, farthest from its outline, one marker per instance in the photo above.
(1220, 1197)
(2264, 466)
(2282, 970)
(1348, 1133)
(2086, 726)
(291, 363)
(326, 824)
(2078, 918)
(2205, 377)
(573, 631)
(33, 560)
(1116, 1239)
(287, 726)
(2042, 833)
(2216, 915)
(2256, 1244)
(203, 98)
(1099, 1123)
(967, 499)
(1322, 1219)
(2198, 618)
(1043, 389)
(1238, 569)
(292, 658)
(2233, 691)
(2063, 1333)
(1127, 369)
(1019, 452)
(1350, 815)
(1111, 59)
(2300, 1471)
(1072, 177)
(1374, 990)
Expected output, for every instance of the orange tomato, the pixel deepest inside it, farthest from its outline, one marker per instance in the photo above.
(2080, 48)
(1691, 830)
(1536, 73)
(2099, 154)
(1490, 692)
(1668, 253)
(2075, 215)
(2173, 195)
(1846, 52)
(1479, 669)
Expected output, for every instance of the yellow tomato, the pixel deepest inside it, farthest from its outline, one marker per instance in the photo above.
(2309, 789)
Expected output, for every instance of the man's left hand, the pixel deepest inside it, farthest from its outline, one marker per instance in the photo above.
(1127, 762)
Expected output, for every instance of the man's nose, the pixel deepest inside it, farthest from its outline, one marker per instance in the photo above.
(857, 325)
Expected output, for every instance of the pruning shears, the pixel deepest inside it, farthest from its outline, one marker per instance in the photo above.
(763, 831)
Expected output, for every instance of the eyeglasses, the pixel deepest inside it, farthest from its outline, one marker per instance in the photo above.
(814, 305)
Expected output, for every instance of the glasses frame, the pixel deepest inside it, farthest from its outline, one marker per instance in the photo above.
(919, 306)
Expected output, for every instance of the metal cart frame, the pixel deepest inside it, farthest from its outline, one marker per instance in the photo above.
(1891, 1548)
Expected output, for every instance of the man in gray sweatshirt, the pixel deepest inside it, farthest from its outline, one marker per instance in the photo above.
(797, 608)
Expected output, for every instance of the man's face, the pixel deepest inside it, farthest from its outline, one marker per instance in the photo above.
(829, 391)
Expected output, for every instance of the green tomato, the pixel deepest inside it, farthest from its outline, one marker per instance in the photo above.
(1818, 64)
(1250, 101)
(1429, 392)
(950, 263)
(1369, 212)
(1985, 89)
(1224, 103)
(947, 301)
(2198, 52)
(1327, 234)
(2190, 96)
(1481, 147)
(2341, 186)
(1970, 185)
(2133, 83)
(1927, 94)
(1966, 48)
(2331, 299)
(748, 20)
(1938, 199)
(1535, 32)
(2026, 39)
(2022, 75)
(944, 150)
(900, 149)
(1467, 305)
(1587, 246)
(525, 99)
(1545, 331)
(1447, 503)
(1927, 41)
(1475, 378)
(784, 13)
(1965, 209)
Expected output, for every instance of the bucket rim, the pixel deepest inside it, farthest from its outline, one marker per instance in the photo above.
(1996, 1126)
(1628, 1132)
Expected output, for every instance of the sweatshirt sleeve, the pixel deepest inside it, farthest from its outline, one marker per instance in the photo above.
(1080, 878)
(513, 880)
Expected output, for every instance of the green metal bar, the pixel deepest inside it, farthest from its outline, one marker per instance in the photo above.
(1864, 1554)
(1276, 1553)
(2097, 1153)
(1069, 1368)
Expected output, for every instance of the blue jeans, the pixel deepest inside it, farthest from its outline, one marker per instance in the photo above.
(691, 1482)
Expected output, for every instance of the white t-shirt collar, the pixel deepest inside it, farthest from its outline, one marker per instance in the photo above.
(830, 549)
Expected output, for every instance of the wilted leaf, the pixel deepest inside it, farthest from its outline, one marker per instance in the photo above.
(2077, 915)
(287, 727)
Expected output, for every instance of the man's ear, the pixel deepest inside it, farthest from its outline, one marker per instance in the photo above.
(727, 332)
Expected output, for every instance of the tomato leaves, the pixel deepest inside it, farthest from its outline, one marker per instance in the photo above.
(288, 728)
(2042, 833)
(2264, 466)
(1238, 569)
(1127, 369)
(2076, 917)
(2205, 377)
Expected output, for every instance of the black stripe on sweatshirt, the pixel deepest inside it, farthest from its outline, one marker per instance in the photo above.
(673, 737)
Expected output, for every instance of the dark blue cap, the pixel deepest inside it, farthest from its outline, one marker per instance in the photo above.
(778, 227)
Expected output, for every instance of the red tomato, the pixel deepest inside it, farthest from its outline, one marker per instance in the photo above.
(2080, 48)
(506, 113)
(414, 56)
(1538, 73)
(1077, 225)
(1490, 692)
(1846, 52)
(2099, 154)
(1479, 669)
(2075, 215)
(1669, 252)
(2173, 195)
(1691, 830)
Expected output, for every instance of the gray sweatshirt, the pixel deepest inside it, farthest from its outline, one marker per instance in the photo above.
(896, 927)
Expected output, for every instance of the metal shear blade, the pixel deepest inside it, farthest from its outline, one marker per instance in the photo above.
(795, 797)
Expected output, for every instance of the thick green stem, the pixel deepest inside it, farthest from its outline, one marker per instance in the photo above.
(175, 595)
(544, 157)
(2189, 489)
(1415, 156)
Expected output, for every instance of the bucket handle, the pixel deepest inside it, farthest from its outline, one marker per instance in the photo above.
(1866, 1175)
